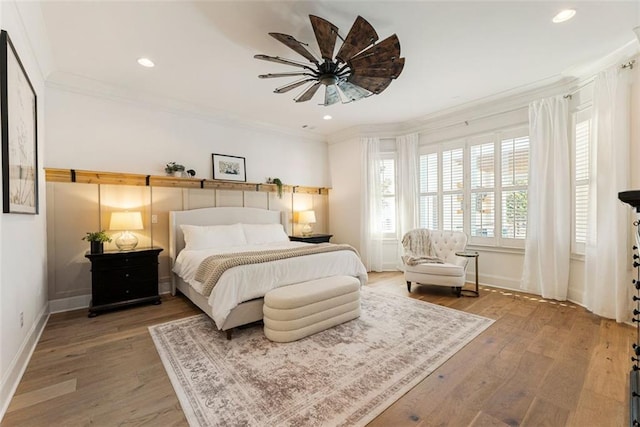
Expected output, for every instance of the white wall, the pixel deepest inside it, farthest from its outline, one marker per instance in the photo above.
(23, 261)
(97, 132)
(345, 196)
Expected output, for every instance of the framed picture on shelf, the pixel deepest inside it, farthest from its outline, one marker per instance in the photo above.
(229, 168)
(18, 118)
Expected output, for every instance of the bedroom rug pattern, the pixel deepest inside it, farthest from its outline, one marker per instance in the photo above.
(346, 375)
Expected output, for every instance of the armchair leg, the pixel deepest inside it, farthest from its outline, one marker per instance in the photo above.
(408, 286)
(458, 292)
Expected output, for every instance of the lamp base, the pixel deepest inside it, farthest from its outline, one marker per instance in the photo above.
(307, 230)
(126, 241)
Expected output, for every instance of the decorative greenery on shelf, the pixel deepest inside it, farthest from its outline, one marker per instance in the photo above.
(278, 184)
(97, 236)
(172, 167)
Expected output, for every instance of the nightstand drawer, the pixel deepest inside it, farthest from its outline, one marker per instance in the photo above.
(124, 261)
(125, 284)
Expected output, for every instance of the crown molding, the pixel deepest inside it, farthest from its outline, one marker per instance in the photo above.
(591, 68)
(462, 114)
(82, 85)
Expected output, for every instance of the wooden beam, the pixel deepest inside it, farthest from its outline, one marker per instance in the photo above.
(172, 181)
(118, 178)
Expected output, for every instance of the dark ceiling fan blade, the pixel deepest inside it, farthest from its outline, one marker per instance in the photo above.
(295, 45)
(287, 88)
(360, 36)
(326, 34)
(386, 69)
(353, 92)
(272, 75)
(331, 95)
(387, 50)
(279, 60)
(361, 68)
(308, 94)
(372, 84)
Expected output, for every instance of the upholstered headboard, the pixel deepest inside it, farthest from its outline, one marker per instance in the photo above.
(214, 216)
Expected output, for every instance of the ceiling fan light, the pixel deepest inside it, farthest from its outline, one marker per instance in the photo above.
(328, 79)
(564, 15)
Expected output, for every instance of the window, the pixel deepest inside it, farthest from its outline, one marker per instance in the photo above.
(452, 189)
(482, 190)
(581, 172)
(487, 175)
(387, 171)
(429, 191)
(515, 176)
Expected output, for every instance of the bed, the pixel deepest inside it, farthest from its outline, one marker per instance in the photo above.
(237, 298)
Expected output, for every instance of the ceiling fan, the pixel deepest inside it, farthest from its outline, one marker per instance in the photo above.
(360, 69)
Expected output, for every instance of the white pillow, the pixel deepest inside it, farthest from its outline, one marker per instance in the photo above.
(212, 236)
(264, 233)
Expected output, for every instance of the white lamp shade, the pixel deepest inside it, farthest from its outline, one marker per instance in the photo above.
(307, 217)
(126, 221)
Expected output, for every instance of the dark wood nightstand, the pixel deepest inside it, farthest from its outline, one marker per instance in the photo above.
(121, 278)
(312, 238)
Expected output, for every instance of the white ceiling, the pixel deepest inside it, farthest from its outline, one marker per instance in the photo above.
(456, 52)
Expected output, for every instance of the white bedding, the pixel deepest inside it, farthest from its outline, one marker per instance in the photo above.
(247, 282)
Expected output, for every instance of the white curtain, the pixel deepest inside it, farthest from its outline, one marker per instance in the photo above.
(371, 211)
(607, 270)
(407, 187)
(548, 245)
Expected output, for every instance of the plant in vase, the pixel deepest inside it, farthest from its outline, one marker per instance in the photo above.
(173, 168)
(97, 239)
(278, 184)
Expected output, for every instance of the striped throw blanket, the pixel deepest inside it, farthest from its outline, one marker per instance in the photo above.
(213, 267)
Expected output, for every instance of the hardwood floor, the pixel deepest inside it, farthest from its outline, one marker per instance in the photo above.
(542, 363)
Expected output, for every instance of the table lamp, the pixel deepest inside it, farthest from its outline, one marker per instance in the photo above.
(125, 222)
(307, 218)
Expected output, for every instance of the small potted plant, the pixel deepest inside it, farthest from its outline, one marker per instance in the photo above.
(278, 184)
(173, 168)
(97, 239)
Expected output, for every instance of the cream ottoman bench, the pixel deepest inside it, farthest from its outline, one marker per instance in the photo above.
(297, 311)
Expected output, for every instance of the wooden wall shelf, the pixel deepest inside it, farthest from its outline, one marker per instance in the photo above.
(115, 178)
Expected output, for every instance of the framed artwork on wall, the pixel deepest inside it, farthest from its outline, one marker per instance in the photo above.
(18, 117)
(228, 168)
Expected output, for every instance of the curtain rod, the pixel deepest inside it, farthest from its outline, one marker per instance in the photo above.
(466, 122)
(590, 80)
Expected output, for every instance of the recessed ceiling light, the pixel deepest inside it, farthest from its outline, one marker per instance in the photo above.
(146, 62)
(564, 15)
(327, 117)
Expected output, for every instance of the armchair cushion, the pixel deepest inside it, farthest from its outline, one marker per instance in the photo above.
(438, 269)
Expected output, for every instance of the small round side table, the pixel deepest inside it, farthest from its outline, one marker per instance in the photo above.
(471, 292)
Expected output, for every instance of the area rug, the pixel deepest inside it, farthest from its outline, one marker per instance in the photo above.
(344, 376)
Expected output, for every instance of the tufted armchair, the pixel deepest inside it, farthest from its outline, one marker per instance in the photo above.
(429, 258)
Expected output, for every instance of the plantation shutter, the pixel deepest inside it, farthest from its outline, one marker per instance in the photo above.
(429, 191)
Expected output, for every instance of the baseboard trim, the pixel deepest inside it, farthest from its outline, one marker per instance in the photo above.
(68, 304)
(164, 287)
(20, 362)
(495, 281)
(83, 301)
